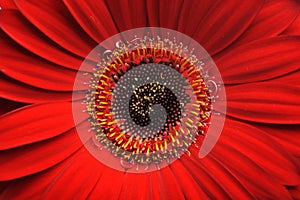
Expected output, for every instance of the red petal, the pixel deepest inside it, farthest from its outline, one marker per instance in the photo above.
(93, 17)
(286, 135)
(191, 14)
(135, 186)
(291, 78)
(248, 174)
(189, 186)
(225, 22)
(177, 14)
(17, 63)
(166, 185)
(260, 60)
(168, 180)
(226, 180)
(84, 172)
(113, 180)
(131, 15)
(207, 180)
(16, 26)
(248, 154)
(170, 12)
(227, 185)
(274, 17)
(264, 102)
(17, 91)
(294, 28)
(35, 123)
(261, 149)
(37, 157)
(34, 186)
(153, 12)
(8, 4)
(156, 191)
(52, 18)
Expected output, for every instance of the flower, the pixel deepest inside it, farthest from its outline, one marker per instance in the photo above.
(255, 45)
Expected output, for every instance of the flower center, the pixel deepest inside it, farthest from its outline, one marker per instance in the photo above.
(145, 97)
(153, 94)
(147, 102)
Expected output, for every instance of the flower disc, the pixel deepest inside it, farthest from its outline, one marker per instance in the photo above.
(150, 96)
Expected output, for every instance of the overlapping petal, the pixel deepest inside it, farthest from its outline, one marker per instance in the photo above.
(30, 159)
(51, 18)
(125, 20)
(246, 139)
(264, 102)
(17, 91)
(260, 60)
(24, 33)
(245, 150)
(294, 28)
(274, 17)
(94, 18)
(286, 135)
(35, 123)
(224, 22)
(80, 165)
(26, 67)
(28, 188)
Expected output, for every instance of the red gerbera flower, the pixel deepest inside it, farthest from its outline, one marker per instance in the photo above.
(256, 47)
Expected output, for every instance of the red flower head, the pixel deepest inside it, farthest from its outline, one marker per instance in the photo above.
(150, 99)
